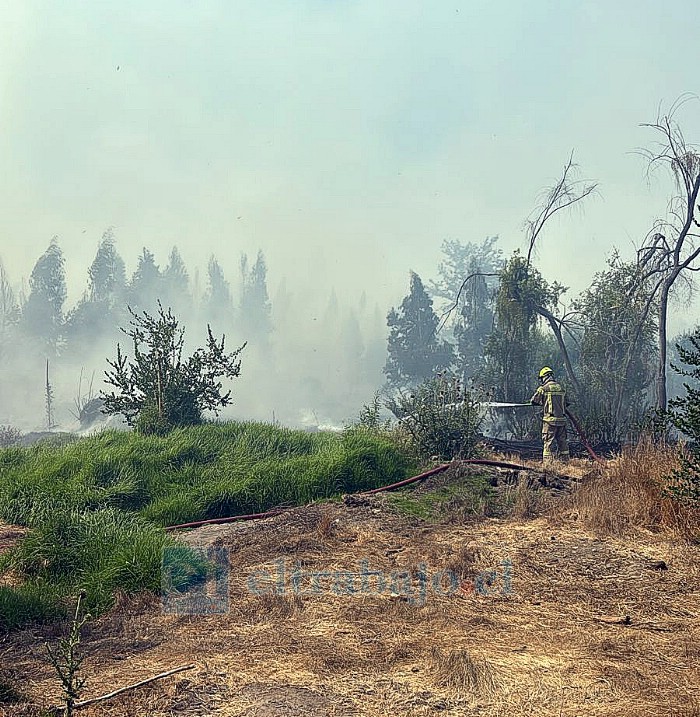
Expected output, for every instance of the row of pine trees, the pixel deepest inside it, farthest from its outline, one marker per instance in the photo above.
(41, 316)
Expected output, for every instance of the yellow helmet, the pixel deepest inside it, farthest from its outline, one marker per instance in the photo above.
(546, 370)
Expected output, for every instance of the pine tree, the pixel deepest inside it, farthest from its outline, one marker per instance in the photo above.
(176, 280)
(415, 352)
(255, 303)
(146, 283)
(42, 314)
(107, 275)
(684, 415)
(217, 300)
(103, 306)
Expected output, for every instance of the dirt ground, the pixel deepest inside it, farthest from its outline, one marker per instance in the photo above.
(9, 535)
(351, 608)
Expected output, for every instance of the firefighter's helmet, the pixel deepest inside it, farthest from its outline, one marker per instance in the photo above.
(546, 371)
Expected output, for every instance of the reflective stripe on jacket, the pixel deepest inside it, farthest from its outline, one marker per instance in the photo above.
(552, 397)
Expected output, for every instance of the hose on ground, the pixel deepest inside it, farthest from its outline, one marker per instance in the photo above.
(392, 486)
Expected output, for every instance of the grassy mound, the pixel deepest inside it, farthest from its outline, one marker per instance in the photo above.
(97, 506)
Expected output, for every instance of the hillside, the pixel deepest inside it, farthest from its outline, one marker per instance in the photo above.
(584, 621)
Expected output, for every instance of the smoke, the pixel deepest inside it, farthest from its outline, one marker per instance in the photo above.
(317, 365)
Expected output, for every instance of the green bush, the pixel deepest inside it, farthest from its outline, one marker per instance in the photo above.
(684, 414)
(9, 436)
(159, 389)
(441, 416)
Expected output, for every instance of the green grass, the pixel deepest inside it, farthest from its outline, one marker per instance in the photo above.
(465, 496)
(97, 506)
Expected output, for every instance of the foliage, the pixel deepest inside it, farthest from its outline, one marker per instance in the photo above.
(158, 389)
(684, 413)
(414, 351)
(442, 417)
(9, 436)
(42, 315)
(473, 326)
(371, 415)
(255, 303)
(617, 353)
(147, 282)
(176, 279)
(107, 276)
(217, 298)
(462, 259)
(514, 347)
(675, 379)
(467, 281)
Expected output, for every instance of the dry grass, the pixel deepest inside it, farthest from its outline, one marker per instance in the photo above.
(557, 645)
(458, 670)
(324, 527)
(629, 494)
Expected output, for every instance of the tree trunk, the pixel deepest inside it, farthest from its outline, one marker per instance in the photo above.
(661, 397)
(556, 330)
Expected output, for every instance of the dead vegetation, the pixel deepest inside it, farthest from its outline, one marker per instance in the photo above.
(629, 494)
(598, 615)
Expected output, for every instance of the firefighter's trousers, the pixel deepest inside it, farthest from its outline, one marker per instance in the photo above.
(555, 444)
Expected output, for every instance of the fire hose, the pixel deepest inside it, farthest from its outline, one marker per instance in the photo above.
(582, 436)
(407, 481)
(392, 486)
(575, 422)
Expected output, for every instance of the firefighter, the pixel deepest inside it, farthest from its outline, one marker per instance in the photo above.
(552, 397)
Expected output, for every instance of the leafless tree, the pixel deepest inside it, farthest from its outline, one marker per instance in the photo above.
(671, 250)
(564, 193)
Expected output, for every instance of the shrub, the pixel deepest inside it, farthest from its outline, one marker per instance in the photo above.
(441, 416)
(684, 414)
(9, 436)
(159, 390)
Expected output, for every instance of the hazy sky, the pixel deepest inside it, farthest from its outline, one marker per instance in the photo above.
(345, 138)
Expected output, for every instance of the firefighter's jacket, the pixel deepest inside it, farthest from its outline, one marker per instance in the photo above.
(552, 397)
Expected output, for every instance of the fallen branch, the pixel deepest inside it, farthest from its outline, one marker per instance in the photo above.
(121, 690)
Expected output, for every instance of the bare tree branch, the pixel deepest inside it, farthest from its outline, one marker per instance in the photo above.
(446, 314)
(680, 253)
(563, 194)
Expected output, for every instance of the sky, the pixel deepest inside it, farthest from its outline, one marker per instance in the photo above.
(345, 138)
